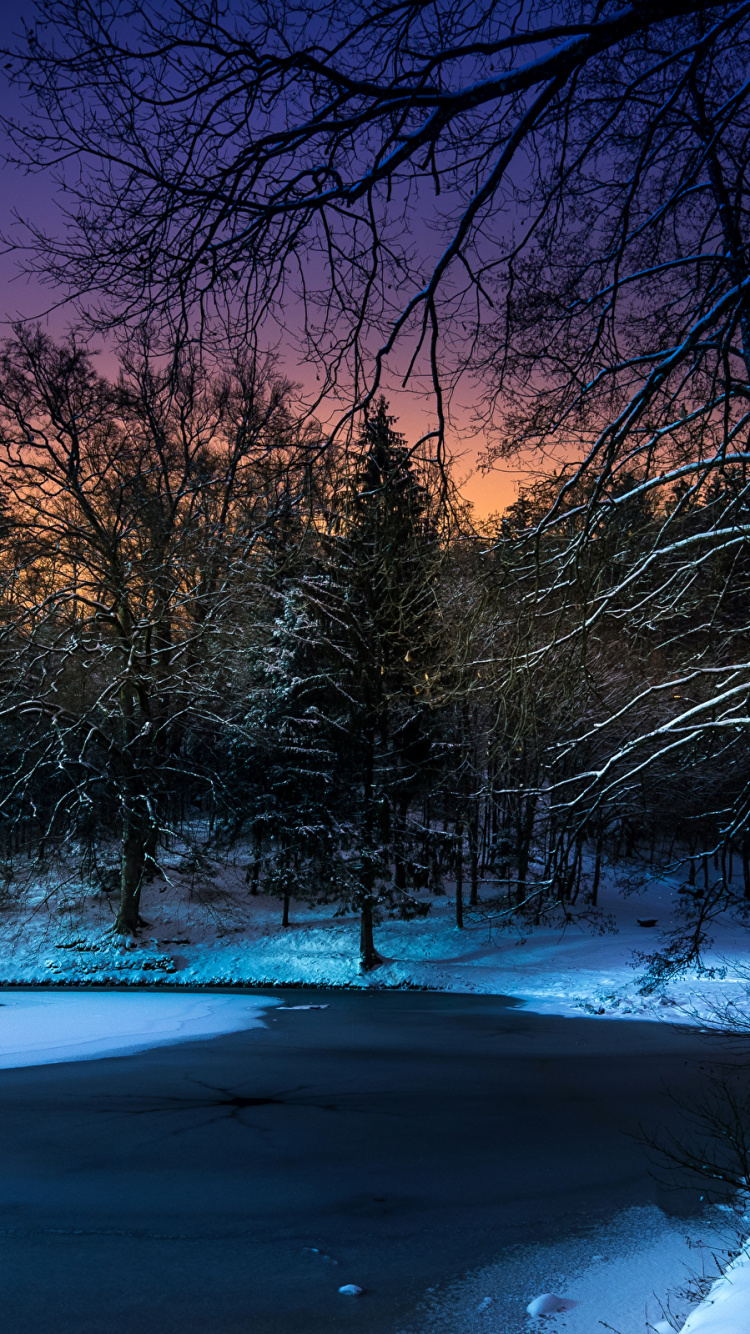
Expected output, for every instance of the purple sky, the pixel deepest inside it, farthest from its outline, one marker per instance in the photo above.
(33, 196)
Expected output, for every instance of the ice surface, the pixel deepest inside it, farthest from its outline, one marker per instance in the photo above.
(563, 969)
(625, 1273)
(37, 1028)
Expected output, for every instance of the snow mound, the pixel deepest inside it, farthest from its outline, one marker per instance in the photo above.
(550, 1304)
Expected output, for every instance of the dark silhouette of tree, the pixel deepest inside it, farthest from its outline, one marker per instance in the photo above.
(584, 176)
(215, 155)
(344, 698)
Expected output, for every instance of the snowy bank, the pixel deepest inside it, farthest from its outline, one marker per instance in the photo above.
(208, 932)
(726, 1309)
(581, 968)
(37, 1028)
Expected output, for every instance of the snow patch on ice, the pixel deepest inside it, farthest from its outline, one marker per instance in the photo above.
(624, 1273)
(37, 1028)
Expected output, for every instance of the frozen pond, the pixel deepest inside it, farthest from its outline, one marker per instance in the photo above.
(450, 1155)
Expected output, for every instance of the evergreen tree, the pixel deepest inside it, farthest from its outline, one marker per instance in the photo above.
(348, 682)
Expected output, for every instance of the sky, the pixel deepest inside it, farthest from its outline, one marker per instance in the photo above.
(24, 298)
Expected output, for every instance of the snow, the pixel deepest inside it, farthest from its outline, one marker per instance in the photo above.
(212, 934)
(120, 997)
(550, 1304)
(117, 997)
(627, 1275)
(37, 1028)
(726, 1309)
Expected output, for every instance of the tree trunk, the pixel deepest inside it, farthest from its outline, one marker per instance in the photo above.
(474, 856)
(525, 834)
(597, 871)
(399, 844)
(570, 871)
(575, 881)
(368, 955)
(135, 826)
(252, 875)
(460, 874)
(150, 866)
(285, 913)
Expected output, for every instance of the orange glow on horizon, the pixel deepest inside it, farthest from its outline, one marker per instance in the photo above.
(491, 492)
(488, 492)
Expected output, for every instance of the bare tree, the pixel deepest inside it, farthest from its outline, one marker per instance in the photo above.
(583, 174)
(390, 167)
(134, 514)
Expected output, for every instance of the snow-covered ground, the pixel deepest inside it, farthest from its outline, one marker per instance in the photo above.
(207, 931)
(39, 1027)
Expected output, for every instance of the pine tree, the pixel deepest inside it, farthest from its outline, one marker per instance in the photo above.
(347, 694)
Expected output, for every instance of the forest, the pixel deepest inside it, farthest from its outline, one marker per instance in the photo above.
(239, 605)
(218, 629)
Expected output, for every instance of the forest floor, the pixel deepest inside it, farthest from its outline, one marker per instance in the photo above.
(205, 930)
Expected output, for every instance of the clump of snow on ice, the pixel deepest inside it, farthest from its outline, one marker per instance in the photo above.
(550, 1304)
(351, 1290)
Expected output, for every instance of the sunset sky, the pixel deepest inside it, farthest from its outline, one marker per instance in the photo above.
(24, 298)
